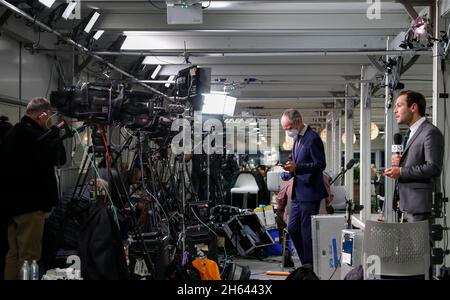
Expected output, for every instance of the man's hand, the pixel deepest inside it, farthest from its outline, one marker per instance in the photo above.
(396, 160)
(290, 166)
(393, 172)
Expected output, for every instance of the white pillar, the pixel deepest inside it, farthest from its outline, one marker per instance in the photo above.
(336, 141)
(439, 108)
(341, 125)
(329, 148)
(349, 105)
(438, 104)
(364, 181)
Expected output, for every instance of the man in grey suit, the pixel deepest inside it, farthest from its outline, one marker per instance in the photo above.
(419, 167)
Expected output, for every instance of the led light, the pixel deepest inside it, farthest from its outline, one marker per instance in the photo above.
(155, 73)
(171, 78)
(98, 34)
(91, 22)
(47, 3)
(69, 9)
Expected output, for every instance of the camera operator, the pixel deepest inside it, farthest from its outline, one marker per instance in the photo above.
(30, 152)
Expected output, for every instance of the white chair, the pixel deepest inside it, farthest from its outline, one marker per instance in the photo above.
(401, 249)
(339, 194)
(274, 181)
(245, 184)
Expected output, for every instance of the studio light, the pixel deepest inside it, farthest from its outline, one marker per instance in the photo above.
(69, 9)
(93, 17)
(47, 3)
(218, 104)
(156, 72)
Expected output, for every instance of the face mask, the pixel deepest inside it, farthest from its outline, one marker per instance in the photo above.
(292, 133)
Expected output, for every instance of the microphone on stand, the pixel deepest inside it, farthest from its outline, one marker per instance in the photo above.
(349, 165)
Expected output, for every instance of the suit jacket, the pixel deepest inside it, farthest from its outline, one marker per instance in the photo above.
(309, 157)
(421, 165)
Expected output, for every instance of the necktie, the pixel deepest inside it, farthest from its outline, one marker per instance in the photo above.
(406, 137)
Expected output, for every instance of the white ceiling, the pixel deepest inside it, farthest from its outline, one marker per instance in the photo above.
(271, 55)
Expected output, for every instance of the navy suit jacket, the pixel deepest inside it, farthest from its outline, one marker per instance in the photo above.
(309, 157)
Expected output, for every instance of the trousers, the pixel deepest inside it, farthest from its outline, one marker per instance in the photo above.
(299, 228)
(25, 242)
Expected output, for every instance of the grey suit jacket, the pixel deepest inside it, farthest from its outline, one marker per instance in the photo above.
(421, 166)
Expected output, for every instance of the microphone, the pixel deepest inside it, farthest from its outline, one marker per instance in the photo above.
(397, 147)
(350, 164)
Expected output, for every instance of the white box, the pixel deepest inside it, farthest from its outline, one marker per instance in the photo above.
(326, 238)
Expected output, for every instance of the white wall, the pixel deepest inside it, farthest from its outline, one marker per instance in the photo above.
(36, 81)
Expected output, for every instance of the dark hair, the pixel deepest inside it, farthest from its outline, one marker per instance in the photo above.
(415, 97)
(4, 118)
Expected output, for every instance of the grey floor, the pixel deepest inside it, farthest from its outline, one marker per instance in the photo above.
(259, 267)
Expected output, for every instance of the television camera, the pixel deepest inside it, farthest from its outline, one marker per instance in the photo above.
(109, 104)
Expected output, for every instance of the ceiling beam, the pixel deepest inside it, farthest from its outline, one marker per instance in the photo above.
(250, 21)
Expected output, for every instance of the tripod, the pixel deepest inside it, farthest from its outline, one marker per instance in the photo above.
(121, 199)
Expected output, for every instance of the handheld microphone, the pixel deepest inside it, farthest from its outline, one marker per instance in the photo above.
(397, 147)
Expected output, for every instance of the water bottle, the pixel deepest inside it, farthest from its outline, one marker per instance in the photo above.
(25, 271)
(34, 270)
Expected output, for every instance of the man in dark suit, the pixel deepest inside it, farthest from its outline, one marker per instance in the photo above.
(418, 169)
(307, 166)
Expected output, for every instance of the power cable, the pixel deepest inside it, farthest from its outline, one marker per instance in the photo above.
(155, 6)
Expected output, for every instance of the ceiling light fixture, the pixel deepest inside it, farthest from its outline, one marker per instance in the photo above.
(47, 3)
(93, 17)
(98, 34)
(156, 72)
(171, 78)
(374, 131)
(69, 9)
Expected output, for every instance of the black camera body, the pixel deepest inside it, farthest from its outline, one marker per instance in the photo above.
(105, 105)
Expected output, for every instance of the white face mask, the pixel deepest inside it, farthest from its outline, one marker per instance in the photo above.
(292, 133)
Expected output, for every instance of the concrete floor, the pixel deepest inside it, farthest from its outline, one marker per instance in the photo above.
(259, 267)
